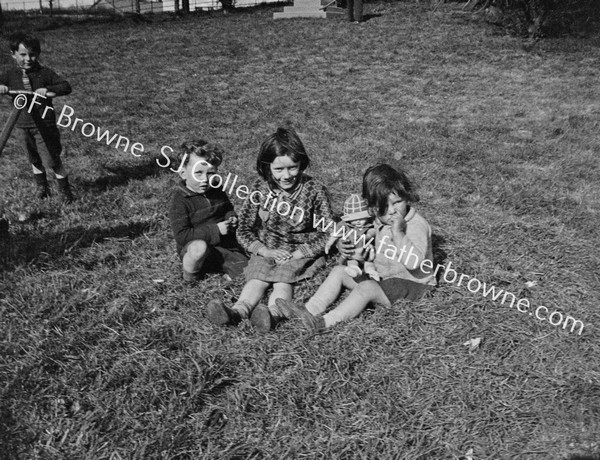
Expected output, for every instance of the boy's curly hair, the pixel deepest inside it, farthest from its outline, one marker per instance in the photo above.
(27, 40)
(212, 153)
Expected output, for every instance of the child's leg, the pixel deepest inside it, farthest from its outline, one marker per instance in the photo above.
(330, 290)
(28, 137)
(218, 313)
(41, 182)
(196, 253)
(280, 291)
(350, 10)
(252, 292)
(266, 318)
(50, 148)
(60, 172)
(362, 295)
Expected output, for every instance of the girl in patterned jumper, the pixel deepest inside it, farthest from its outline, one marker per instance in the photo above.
(403, 256)
(276, 226)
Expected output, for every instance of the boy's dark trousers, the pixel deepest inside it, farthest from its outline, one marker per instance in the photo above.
(355, 10)
(43, 147)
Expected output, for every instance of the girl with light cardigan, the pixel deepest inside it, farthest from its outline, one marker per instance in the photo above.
(403, 256)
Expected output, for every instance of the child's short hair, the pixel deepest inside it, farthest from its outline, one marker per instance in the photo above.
(212, 153)
(284, 142)
(380, 181)
(29, 41)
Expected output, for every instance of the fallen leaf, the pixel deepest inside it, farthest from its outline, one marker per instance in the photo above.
(473, 343)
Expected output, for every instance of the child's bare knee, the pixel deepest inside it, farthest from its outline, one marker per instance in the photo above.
(372, 292)
(197, 249)
(284, 290)
(367, 286)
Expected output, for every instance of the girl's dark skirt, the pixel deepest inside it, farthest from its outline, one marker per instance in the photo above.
(398, 288)
(292, 271)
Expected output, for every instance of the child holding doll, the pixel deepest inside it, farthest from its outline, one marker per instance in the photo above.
(403, 256)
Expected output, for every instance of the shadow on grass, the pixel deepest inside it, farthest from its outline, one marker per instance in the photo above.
(439, 254)
(367, 17)
(27, 248)
(121, 175)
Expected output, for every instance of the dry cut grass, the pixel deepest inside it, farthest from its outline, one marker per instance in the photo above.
(105, 354)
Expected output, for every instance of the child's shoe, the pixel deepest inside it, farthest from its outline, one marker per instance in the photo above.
(65, 190)
(291, 310)
(41, 182)
(262, 319)
(221, 315)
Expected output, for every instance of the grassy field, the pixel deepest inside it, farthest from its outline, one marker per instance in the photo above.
(105, 354)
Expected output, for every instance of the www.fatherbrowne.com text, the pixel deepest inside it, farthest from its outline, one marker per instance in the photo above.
(450, 275)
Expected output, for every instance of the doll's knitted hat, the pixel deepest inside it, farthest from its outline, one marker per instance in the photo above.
(355, 207)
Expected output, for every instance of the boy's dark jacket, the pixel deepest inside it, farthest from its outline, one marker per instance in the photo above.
(40, 77)
(195, 216)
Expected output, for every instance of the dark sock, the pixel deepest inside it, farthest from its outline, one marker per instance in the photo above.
(65, 189)
(42, 185)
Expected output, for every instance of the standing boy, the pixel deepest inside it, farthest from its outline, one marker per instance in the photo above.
(202, 217)
(37, 121)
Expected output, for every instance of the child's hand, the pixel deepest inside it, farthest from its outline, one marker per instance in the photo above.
(346, 248)
(42, 91)
(227, 226)
(359, 254)
(279, 255)
(398, 225)
(224, 227)
(3, 89)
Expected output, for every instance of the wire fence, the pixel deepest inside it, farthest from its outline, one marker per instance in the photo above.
(124, 6)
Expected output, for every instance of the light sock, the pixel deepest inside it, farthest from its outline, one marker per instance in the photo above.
(316, 305)
(243, 308)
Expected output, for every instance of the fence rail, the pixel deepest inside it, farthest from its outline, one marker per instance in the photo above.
(123, 6)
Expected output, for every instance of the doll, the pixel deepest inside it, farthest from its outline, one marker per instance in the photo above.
(359, 223)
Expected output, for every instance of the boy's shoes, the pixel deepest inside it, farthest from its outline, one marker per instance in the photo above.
(65, 190)
(262, 319)
(291, 310)
(41, 182)
(221, 315)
